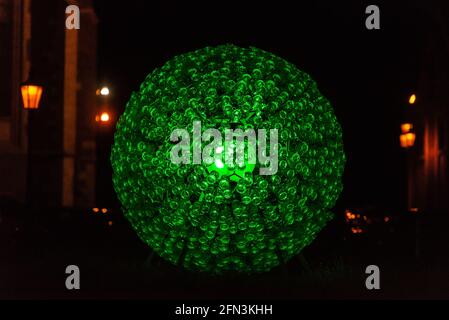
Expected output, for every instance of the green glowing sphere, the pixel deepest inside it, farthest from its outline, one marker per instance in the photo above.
(211, 217)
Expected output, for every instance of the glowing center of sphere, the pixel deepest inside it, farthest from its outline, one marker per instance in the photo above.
(236, 169)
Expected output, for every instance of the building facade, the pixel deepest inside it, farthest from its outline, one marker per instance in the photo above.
(430, 177)
(47, 156)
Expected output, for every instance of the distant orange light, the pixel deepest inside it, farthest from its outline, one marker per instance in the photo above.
(103, 117)
(412, 99)
(414, 210)
(403, 140)
(104, 210)
(104, 91)
(350, 215)
(406, 127)
(96, 210)
(410, 139)
(110, 223)
(386, 219)
(407, 140)
(356, 230)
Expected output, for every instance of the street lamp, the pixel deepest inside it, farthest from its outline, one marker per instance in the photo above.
(104, 117)
(31, 94)
(406, 127)
(104, 91)
(407, 140)
(412, 99)
(407, 137)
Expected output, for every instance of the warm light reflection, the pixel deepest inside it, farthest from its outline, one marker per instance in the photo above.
(386, 219)
(406, 127)
(412, 99)
(356, 230)
(414, 210)
(110, 223)
(433, 163)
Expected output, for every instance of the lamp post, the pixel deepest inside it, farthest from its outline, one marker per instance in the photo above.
(104, 118)
(31, 93)
(407, 140)
(407, 137)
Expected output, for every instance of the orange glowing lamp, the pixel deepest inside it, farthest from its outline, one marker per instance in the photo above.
(350, 215)
(104, 117)
(31, 95)
(412, 99)
(407, 140)
(406, 127)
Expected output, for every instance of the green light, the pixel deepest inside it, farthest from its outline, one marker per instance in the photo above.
(217, 217)
(220, 166)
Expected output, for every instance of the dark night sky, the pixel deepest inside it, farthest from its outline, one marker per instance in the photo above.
(367, 75)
